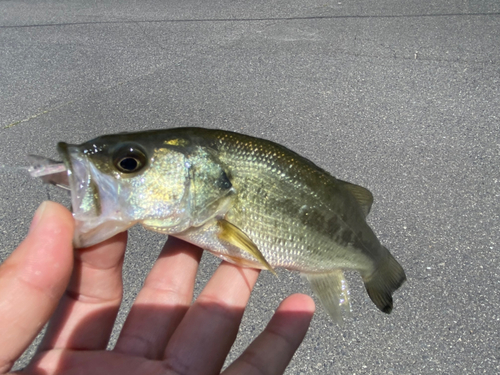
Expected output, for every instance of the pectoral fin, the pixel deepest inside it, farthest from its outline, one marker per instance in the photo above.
(236, 237)
(332, 290)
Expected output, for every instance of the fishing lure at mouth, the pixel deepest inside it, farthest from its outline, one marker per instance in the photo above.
(247, 200)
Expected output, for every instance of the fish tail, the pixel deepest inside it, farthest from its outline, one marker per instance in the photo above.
(387, 278)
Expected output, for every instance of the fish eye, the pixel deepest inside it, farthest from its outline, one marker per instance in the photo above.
(129, 159)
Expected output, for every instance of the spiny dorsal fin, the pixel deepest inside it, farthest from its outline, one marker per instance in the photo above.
(362, 195)
(235, 236)
(331, 288)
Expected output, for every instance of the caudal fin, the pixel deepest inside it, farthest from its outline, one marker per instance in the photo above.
(387, 278)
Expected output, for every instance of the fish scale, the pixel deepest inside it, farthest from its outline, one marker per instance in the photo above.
(264, 172)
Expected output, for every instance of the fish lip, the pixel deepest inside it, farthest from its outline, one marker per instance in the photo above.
(64, 153)
(79, 180)
(62, 149)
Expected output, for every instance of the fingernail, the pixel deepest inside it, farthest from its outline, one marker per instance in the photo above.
(38, 215)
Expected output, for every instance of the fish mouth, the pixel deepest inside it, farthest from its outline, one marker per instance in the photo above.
(62, 149)
(94, 199)
(84, 192)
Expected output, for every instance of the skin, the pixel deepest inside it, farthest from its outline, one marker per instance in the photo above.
(165, 333)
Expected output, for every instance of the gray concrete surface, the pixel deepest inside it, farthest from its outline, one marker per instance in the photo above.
(402, 97)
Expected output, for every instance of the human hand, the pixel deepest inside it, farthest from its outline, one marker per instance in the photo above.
(165, 333)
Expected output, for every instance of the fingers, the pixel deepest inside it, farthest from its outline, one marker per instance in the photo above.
(205, 335)
(33, 279)
(272, 350)
(161, 304)
(87, 311)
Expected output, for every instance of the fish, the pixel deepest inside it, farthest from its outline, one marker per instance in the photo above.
(249, 201)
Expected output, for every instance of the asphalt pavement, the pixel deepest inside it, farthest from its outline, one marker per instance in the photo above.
(401, 97)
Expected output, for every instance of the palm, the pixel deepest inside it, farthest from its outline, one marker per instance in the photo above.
(165, 333)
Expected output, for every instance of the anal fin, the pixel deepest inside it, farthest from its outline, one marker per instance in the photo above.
(331, 288)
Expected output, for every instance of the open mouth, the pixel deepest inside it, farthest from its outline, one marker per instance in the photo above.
(76, 175)
(84, 192)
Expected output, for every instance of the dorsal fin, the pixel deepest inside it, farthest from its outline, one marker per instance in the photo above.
(362, 195)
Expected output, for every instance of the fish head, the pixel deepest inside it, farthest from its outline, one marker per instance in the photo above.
(164, 182)
(116, 182)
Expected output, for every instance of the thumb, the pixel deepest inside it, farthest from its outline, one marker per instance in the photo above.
(32, 280)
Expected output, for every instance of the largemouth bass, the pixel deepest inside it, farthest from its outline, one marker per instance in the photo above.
(247, 200)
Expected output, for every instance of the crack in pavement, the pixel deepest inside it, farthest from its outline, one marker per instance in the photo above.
(292, 18)
(11, 125)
